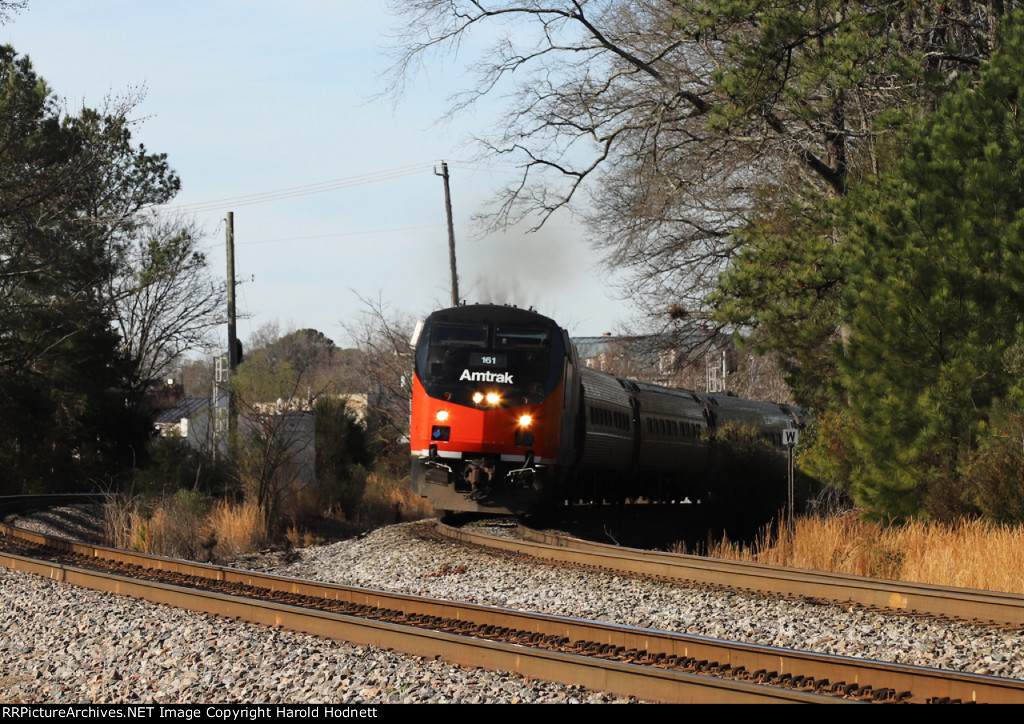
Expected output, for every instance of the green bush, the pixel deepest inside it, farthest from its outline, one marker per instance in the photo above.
(342, 456)
(994, 478)
(172, 464)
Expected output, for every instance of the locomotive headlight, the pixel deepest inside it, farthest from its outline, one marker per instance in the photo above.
(441, 415)
(493, 398)
(525, 420)
(478, 397)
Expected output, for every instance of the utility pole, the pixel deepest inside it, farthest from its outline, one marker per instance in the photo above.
(233, 356)
(233, 346)
(451, 232)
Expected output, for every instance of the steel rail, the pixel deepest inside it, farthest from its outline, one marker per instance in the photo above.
(970, 605)
(603, 675)
(924, 683)
(20, 504)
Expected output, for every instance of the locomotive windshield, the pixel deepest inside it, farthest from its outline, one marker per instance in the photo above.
(459, 335)
(521, 362)
(507, 337)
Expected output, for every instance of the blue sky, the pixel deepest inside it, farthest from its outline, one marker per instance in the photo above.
(252, 97)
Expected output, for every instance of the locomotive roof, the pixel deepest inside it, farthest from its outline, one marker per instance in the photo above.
(492, 314)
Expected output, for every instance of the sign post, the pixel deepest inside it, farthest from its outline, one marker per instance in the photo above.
(790, 437)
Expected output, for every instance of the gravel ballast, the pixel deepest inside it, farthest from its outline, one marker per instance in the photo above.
(65, 644)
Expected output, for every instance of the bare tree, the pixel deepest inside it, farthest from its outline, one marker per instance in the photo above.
(672, 124)
(386, 359)
(274, 459)
(274, 445)
(11, 7)
(165, 302)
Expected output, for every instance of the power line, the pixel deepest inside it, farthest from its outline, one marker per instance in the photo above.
(335, 185)
(341, 233)
(306, 190)
(214, 243)
(297, 191)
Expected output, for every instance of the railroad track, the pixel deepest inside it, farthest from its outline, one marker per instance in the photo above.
(987, 608)
(651, 665)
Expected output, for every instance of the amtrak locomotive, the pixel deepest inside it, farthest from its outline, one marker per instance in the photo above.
(506, 420)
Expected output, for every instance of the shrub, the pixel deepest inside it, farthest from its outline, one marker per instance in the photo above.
(994, 477)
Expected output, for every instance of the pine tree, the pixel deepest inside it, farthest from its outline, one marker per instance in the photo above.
(69, 188)
(840, 78)
(935, 292)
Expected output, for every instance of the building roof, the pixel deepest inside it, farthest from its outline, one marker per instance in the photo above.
(187, 407)
(590, 347)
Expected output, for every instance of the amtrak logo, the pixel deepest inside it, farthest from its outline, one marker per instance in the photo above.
(467, 376)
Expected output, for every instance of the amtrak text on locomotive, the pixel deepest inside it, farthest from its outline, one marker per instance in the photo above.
(505, 377)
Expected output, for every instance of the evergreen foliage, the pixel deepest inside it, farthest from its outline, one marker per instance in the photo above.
(70, 189)
(843, 78)
(174, 464)
(933, 296)
(785, 285)
(342, 455)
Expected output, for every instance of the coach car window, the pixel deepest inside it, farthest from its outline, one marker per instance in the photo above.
(473, 335)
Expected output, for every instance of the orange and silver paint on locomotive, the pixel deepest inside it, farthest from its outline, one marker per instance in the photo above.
(487, 408)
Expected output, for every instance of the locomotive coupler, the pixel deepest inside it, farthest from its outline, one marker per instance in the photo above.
(479, 474)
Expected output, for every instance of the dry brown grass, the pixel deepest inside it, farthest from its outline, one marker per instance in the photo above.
(237, 527)
(191, 525)
(177, 528)
(386, 501)
(971, 554)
